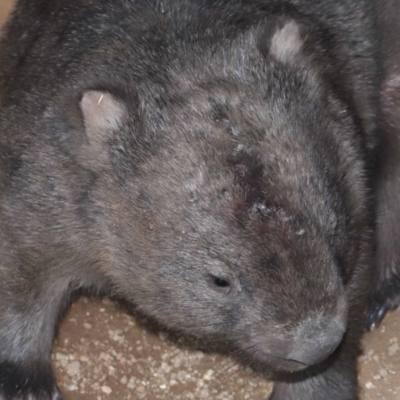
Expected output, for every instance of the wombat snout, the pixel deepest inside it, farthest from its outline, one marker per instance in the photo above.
(316, 341)
(311, 342)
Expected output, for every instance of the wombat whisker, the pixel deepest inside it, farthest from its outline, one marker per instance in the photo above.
(224, 373)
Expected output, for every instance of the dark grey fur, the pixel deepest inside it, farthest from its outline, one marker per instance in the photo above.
(386, 289)
(205, 160)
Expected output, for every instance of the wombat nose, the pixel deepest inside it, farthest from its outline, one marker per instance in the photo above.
(314, 342)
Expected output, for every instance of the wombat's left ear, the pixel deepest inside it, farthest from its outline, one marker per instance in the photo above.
(102, 114)
(281, 38)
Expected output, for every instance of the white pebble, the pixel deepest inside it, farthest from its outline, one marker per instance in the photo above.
(106, 389)
(370, 385)
(392, 349)
(73, 368)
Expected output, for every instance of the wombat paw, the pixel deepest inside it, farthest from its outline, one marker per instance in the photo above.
(381, 301)
(35, 383)
(32, 396)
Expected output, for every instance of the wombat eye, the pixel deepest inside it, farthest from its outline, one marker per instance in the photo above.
(220, 283)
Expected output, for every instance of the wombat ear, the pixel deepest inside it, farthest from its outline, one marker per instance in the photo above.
(281, 38)
(102, 114)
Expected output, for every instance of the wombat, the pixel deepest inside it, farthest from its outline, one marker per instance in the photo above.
(386, 289)
(209, 161)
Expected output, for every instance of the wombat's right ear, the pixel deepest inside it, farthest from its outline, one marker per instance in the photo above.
(102, 114)
(281, 38)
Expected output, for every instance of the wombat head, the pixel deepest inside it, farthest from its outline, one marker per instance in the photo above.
(230, 199)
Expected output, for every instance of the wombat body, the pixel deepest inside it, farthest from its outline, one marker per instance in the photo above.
(208, 161)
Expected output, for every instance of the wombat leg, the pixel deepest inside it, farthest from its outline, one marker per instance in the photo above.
(28, 315)
(33, 383)
(386, 283)
(323, 382)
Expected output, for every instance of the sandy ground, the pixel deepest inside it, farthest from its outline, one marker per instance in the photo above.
(102, 352)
